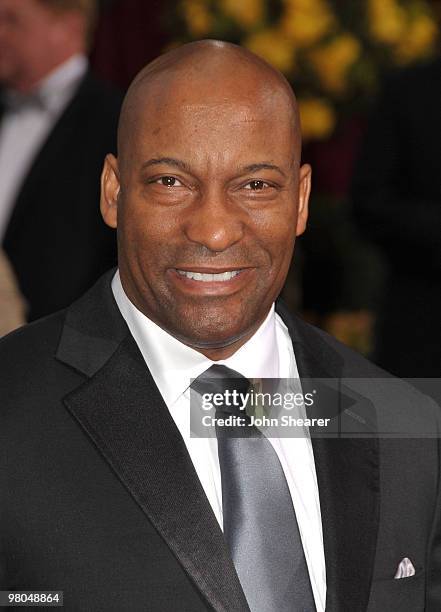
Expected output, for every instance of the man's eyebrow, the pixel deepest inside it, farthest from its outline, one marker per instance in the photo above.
(169, 161)
(263, 166)
(178, 163)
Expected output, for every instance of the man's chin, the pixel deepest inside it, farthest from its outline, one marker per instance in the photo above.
(224, 339)
(214, 328)
(201, 343)
(213, 338)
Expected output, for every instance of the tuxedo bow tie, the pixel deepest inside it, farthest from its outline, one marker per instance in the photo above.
(15, 102)
(260, 524)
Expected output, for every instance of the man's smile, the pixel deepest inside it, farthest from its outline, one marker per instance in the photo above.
(209, 275)
(212, 281)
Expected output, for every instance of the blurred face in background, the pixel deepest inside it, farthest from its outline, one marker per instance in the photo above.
(33, 40)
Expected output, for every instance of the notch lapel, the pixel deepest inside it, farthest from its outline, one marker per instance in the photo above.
(122, 411)
(348, 480)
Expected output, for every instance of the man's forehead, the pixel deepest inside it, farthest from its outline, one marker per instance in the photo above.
(206, 136)
(220, 123)
(219, 108)
(213, 110)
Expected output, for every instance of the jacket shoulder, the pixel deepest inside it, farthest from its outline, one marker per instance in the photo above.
(29, 346)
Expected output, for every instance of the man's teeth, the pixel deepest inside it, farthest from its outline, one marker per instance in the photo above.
(209, 278)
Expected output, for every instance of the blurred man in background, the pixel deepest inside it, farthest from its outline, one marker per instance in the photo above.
(56, 124)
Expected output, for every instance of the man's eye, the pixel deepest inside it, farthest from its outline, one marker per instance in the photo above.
(256, 185)
(169, 181)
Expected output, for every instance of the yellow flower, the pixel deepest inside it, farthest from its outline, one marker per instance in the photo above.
(197, 16)
(317, 118)
(387, 20)
(306, 21)
(332, 61)
(418, 40)
(247, 13)
(274, 47)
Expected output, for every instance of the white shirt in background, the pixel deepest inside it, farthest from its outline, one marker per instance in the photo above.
(24, 129)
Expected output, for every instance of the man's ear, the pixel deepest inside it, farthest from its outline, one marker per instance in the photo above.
(304, 191)
(110, 188)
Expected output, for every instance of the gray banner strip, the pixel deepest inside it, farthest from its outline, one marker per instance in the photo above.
(322, 407)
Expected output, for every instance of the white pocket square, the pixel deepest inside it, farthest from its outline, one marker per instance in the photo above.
(405, 569)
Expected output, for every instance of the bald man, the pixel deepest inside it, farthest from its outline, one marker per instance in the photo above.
(105, 494)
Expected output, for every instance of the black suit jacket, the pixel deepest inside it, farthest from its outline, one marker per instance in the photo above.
(56, 239)
(99, 497)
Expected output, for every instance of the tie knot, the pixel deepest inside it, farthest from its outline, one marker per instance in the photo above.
(229, 387)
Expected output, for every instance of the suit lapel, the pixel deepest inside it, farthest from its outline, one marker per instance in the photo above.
(122, 411)
(348, 480)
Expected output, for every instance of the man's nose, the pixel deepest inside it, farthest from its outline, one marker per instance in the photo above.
(215, 222)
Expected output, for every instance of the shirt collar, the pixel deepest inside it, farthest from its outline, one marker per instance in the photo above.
(59, 85)
(173, 364)
(53, 92)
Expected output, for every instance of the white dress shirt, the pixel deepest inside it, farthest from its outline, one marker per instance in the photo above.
(24, 129)
(267, 354)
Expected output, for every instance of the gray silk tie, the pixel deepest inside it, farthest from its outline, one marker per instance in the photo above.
(260, 524)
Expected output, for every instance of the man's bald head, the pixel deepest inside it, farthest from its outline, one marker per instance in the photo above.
(207, 71)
